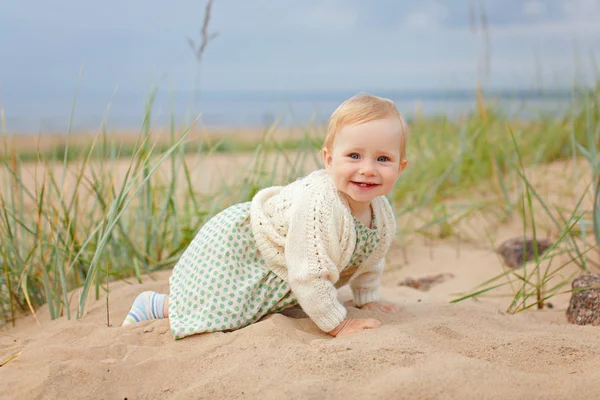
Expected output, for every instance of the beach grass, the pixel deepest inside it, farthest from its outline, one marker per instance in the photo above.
(103, 210)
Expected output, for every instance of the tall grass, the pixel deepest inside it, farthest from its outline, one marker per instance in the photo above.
(533, 285)
(84, 223)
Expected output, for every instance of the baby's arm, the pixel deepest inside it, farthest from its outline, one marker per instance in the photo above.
(310, 276)
(311, 270)
(365, 288)
(318, 298)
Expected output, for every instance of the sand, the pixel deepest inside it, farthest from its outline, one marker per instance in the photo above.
(432, 349)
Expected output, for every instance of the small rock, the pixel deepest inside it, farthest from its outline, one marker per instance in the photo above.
(517, 251)
(163, 329)
(149, 328)
(425, 283)
(584, 307)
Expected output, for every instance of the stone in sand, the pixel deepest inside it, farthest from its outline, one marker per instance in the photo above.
(584, 307)
(425, 283)
(517, 251)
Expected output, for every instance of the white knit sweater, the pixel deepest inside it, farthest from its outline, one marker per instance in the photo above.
(306, 234)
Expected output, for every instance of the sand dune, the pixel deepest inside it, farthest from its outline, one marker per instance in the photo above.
(430, 350)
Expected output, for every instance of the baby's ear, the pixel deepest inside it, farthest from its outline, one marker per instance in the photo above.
(327, 158)
(402, 165)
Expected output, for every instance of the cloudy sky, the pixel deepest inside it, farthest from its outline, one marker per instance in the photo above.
(289, 45)
(294, 45)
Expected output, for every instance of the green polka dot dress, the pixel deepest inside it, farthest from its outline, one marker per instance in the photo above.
(221, 283)
(366, 241)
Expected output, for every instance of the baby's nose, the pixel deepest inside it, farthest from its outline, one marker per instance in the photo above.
(367, 168)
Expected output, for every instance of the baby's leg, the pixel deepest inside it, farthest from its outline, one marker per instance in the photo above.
(148, 305)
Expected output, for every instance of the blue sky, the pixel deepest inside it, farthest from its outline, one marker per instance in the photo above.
(285, 46)
(293, 45)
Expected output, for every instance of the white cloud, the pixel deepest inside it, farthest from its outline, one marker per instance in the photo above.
(534, 8)
(582, 11)
(327, 15)
(420, 20)
(430, 16)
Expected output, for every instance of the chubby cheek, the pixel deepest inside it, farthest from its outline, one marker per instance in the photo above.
(343, 171)
(390, 178)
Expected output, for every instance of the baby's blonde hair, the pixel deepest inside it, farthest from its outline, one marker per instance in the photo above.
(363, 108)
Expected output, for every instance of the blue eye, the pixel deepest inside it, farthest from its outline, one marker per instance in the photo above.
(383, 159)
(354, 156)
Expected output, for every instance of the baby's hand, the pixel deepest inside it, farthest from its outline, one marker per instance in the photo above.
(388, 308)
(351, 325)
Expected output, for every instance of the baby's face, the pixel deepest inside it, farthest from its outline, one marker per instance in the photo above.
(364, 160)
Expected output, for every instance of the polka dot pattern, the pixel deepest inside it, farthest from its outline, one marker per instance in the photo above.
(220, 283)
(366, 241)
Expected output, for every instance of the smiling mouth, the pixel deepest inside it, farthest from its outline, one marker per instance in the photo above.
(365, 184)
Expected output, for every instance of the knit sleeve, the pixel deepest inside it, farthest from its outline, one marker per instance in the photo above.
(365, 286)
(312, 244)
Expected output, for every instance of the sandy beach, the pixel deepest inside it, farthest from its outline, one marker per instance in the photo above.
(432, 349)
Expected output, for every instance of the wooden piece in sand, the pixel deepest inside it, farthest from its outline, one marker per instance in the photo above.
(584, 307)
(425, 283)
(512, 252)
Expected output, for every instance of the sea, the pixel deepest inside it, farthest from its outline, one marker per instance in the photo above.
(35, 113)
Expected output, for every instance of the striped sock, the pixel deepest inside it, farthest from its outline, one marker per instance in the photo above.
(148, 305)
